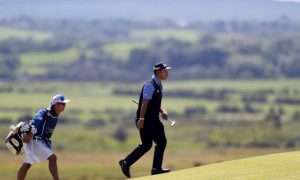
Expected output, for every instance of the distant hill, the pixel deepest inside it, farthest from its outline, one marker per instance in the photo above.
(274, 166)
(189, 10)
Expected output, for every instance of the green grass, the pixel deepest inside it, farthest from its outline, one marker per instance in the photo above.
(249, 85)
(100, 164)
(87, 103)
(38, 58)
(182, 34)
(94, 153)
(87, 96)
(273, 166)
(36, 62)
(6, 33)
(122, 50)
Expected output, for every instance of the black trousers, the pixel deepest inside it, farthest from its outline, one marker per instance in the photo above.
(151, 132)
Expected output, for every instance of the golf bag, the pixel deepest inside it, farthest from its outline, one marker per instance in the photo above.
(13, 140)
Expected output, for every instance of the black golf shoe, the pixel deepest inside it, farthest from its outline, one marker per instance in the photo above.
(125, 168)
(160, 171)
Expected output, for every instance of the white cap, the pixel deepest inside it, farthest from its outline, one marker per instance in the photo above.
(59, 98)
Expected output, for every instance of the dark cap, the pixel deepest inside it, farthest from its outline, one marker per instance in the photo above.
(160, 66)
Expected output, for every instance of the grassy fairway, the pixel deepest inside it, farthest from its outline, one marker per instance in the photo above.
(274, 166)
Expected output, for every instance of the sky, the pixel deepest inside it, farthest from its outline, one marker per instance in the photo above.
(188, 10)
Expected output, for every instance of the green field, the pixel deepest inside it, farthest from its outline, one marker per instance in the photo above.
(87, 96)
(249, 85)
(147, 35)
(40, 58)
(6, 33)
(122, 50)
(37, 62)
(92, 151)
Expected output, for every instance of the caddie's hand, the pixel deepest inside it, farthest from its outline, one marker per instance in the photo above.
(27, 138)
(14, 129)
(140, 123)
(164, 115)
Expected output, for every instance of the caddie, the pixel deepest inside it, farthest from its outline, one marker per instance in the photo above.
(37, 146)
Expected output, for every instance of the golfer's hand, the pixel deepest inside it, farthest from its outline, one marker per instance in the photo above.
(164, 115)
(140, 123)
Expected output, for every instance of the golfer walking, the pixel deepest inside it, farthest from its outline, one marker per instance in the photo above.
(37, 146)
(148, 122)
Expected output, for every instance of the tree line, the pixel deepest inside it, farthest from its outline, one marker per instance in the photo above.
(223, 50)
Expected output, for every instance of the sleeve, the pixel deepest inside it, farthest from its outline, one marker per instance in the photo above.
(38, 118)
(148, 91)
(40, 114)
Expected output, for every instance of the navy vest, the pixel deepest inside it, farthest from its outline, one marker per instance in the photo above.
(153, 108)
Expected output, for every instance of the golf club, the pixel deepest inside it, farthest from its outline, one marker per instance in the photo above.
(172, 122)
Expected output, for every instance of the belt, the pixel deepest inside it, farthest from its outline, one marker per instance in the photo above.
(44, 140)
(41, 138)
